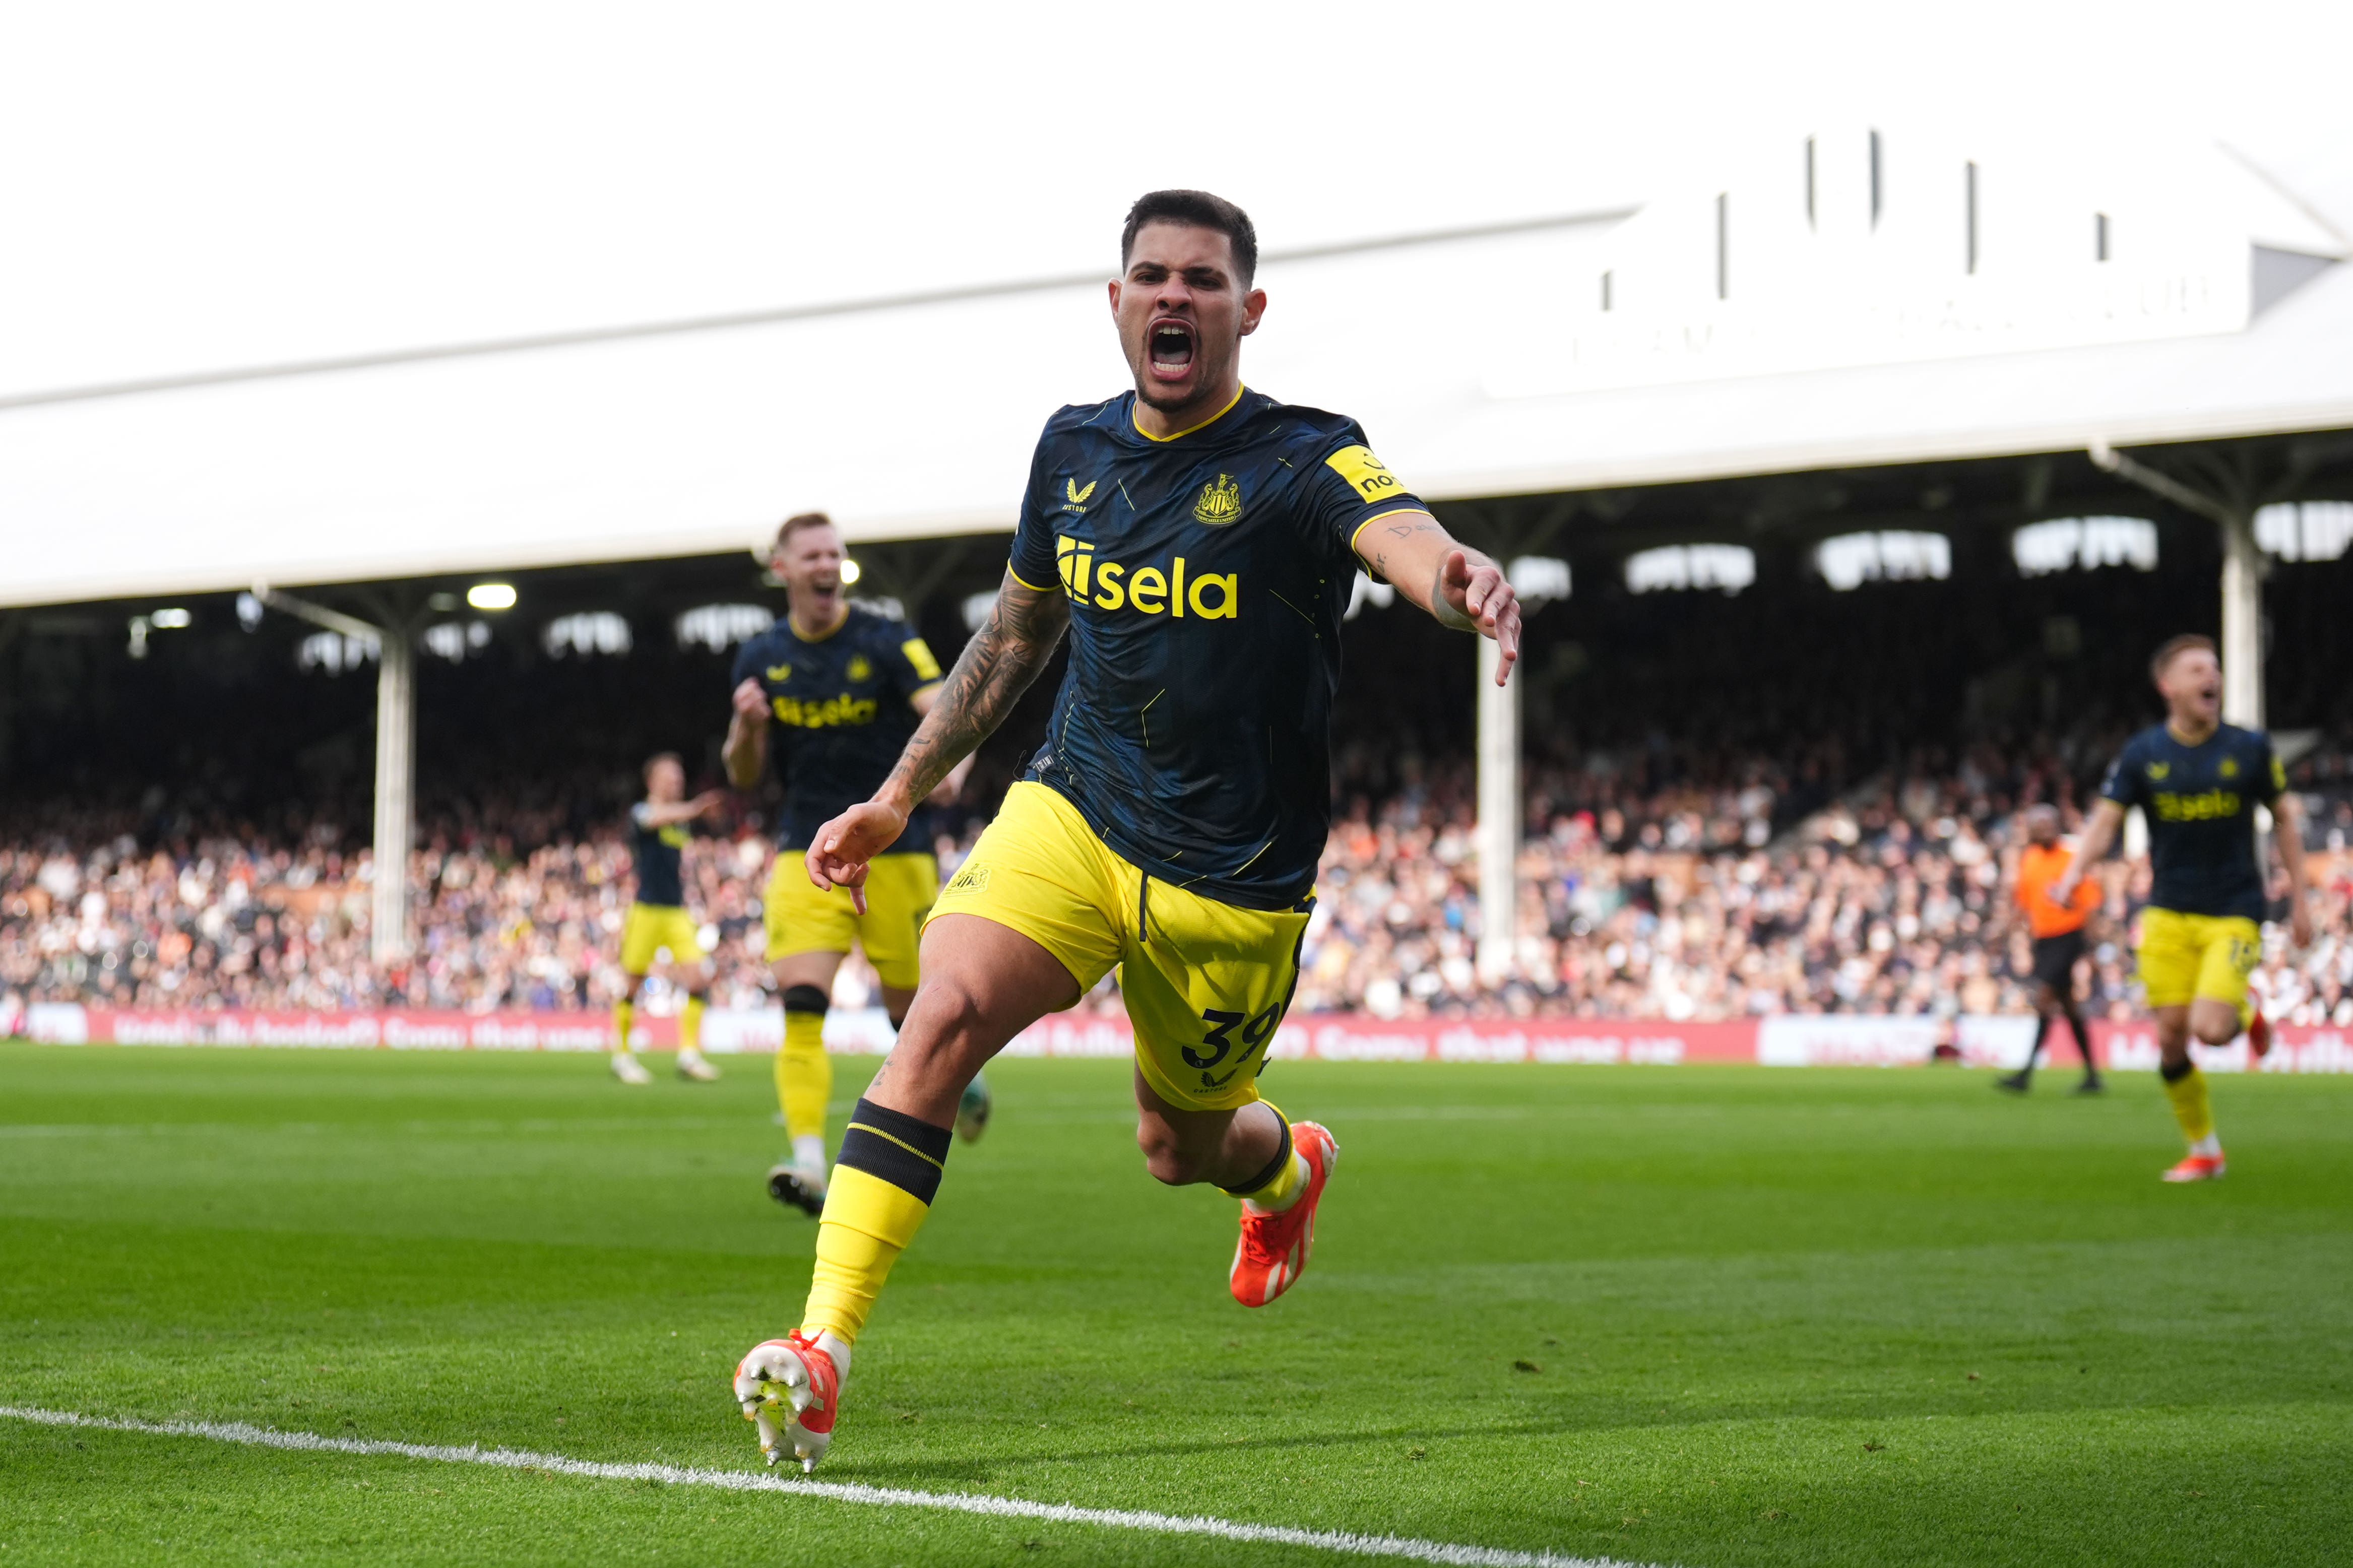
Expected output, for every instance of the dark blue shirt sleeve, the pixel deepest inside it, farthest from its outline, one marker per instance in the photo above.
(1033, 563)
(747, 663)
(2271, 779)
(1348, 491)
(2123, 782)
(908, 659)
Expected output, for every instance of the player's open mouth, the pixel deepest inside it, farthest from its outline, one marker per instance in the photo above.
(1172, 346)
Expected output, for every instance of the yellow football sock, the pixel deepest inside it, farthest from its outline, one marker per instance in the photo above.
(882, 1188)
(2191, 1106)
(804, 1075)
(1279, 1185)
(1283, 1191)
(690, 1025)
(624, 1011)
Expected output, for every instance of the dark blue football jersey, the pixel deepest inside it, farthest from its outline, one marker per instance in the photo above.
(838, 716)
(1207, 575)
(655, 852)
(2199, 802)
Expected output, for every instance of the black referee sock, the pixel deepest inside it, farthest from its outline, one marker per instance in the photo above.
(2082, 1039)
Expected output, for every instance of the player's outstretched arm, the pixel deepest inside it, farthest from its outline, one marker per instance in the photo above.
(1461, 588)
(747, 735)
(2287, 832)
(667, 812)
(2098, 835)
(996, 667)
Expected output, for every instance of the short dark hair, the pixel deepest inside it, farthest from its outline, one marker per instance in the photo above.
(658, 759)
(1196, 209)
(795, 523)
(2172, 649)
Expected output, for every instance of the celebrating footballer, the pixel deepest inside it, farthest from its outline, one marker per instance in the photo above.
(1197, 542)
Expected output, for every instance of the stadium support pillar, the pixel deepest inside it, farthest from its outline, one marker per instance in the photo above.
(2243, 625)
(2243, 570)
(1499, 814)
(395, 783)
(396, 763)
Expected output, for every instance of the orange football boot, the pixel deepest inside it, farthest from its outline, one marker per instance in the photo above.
(2196, 1168)
(791, 1389)
(1273, 1249)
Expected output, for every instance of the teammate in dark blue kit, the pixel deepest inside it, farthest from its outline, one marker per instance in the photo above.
(827, 697)
(2197, 781)
(1198, 540)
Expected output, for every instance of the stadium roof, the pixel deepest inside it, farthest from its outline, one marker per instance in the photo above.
(1849, 302)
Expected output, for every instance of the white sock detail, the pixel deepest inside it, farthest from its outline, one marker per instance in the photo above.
(2210, 1146)
(808, 1152)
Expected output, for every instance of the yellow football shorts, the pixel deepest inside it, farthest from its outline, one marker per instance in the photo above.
(2187, 957)
(1205, 983)
(898, 893)
(649, 928)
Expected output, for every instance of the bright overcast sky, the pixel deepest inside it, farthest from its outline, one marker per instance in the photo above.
(203, 186)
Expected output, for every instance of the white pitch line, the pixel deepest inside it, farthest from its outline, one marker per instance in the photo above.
(1395, 1546)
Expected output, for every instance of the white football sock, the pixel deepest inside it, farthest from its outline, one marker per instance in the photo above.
(808, 1152)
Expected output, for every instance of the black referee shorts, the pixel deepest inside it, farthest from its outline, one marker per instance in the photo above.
(2054, 960)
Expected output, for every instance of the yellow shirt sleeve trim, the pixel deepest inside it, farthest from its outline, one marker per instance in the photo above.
(1204, 425)
(1025, 582)
(1393, 511)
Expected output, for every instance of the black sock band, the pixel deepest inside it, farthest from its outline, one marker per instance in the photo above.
(807, 999)
(905, 1150)
(1273, 1167)
(2174, 1072)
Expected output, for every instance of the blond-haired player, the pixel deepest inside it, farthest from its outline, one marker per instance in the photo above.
(2198, 781)
(828, 695)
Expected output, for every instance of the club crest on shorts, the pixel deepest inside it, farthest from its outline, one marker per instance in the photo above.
(1220, 503)
(971, 879)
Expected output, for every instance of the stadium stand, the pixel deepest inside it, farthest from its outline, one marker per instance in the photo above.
(1721, 820)
(1681, 900)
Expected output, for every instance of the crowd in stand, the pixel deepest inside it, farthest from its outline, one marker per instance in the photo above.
(1651, 883)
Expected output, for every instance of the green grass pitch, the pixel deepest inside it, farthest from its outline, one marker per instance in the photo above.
(1718, 1317)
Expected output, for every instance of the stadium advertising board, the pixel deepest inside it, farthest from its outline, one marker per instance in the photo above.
(1844, 1039)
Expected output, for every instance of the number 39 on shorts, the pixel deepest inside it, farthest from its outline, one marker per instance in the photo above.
(1218, 1043)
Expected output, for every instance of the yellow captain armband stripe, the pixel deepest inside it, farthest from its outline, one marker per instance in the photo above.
(1025, 582)
(1393, 511)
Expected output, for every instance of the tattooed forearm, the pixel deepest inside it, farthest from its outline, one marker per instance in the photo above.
(1407, 525)
(996, 667)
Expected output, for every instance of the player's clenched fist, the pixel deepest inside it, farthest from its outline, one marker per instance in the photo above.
(839, 851)
(751, 702)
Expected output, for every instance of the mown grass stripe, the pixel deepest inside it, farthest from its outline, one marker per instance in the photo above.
(1404, 1548)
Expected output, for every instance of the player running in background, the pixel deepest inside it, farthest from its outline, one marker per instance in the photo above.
(658, 921)
(2058, 932)
(1199, 541)
(831, 692)
(2198, 781)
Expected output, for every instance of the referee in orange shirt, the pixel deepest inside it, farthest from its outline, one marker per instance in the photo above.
(2058, 930)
